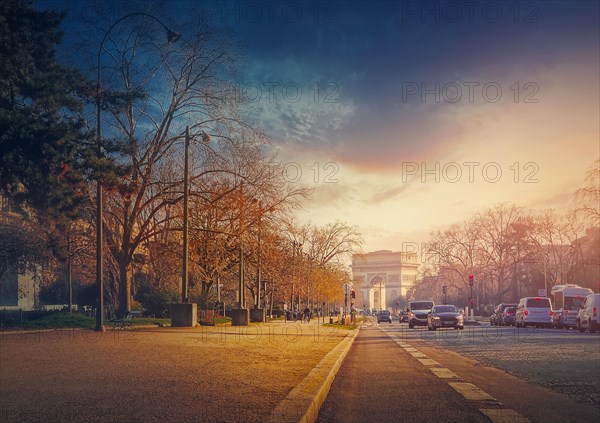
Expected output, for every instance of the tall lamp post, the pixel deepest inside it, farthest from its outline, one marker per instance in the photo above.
(186, 195)
(172, 36)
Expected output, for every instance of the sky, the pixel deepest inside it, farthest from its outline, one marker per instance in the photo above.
(408, 116)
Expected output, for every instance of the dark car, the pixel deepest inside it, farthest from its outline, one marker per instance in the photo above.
(418, 313)
(403, 317)
(445, 316)
(384, 316)
(496, 317)
(508, 316)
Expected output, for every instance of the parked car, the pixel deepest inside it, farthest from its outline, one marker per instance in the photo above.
(384, 316)
(403, 316)
(534, 311)
(588, 316)
(418, 313)
(496, 317)
(508, 316)
(567, 299)
(442, 316)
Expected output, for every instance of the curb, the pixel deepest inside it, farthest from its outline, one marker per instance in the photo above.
(303, 402)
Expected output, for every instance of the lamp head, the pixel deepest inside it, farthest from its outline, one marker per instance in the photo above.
(172, 36)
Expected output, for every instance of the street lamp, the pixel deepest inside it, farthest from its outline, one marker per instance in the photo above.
(184, 271)
(172, 36)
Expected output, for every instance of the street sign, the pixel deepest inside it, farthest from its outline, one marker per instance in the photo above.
(541, 292)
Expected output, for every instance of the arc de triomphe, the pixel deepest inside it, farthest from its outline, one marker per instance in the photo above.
(382, 278)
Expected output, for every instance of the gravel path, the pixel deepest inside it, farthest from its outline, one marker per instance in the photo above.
(208, 374)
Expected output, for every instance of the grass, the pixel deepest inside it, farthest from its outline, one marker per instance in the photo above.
(60, 320)
(335, 325)
(148, 321)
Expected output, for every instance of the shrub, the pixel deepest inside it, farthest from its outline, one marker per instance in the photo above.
(154, 300)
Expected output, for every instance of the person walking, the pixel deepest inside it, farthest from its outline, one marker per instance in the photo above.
(307, 314)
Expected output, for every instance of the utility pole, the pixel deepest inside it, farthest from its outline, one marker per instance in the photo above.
(258, 273)
(184, 270)
(241, 251)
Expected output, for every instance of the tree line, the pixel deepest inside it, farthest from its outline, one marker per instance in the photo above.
(513, 252)
(150, 91)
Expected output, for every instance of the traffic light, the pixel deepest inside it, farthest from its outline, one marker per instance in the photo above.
(353, 294)
(471, 281)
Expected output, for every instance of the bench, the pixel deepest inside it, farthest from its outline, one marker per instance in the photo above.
(125, 321)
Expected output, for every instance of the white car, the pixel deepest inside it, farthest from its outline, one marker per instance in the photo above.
(534, 311)
(588, 316)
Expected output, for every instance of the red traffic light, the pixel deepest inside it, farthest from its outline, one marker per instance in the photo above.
(353, 294)
(471, 277)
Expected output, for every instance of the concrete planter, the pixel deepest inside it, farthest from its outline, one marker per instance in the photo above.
(184, 315)
(258, 315)
(240, 317)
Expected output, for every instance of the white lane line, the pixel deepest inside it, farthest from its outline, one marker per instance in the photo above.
(504, 415)
(471, 392)
(444, 373)
(428, 362)
(467, 390)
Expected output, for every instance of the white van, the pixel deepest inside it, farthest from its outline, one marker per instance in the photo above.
(588, 316)
(534, 311)
(567, 299)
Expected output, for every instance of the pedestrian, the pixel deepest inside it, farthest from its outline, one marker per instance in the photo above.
(307, 314)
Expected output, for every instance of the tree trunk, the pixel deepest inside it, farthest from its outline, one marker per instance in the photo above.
(69, 282)
(124, 287)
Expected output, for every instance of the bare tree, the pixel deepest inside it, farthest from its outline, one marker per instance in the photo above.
(588, 196)
(153, 90)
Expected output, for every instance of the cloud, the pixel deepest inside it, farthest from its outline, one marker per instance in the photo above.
(386, 194)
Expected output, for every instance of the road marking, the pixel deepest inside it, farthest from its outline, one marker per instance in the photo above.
(504, 415)
(444, 373)
(467, 390)
(471, 392)
(428, 362)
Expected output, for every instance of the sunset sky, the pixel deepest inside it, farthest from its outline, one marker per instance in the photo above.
(376, 93)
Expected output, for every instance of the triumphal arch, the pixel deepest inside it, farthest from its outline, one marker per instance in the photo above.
(382, 278)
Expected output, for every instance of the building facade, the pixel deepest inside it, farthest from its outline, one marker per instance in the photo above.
(382, 279)
(19, 288)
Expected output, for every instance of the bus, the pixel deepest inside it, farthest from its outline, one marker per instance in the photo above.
(567, 299)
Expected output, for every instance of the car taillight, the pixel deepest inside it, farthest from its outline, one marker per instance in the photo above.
(526, 312)
(594, 312)
(508, 314)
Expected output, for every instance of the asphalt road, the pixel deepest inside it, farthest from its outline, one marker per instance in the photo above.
(384, 380)
(564, 360)
(381, 382)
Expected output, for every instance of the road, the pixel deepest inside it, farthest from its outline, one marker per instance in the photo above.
(393, 374)
(565, 360)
